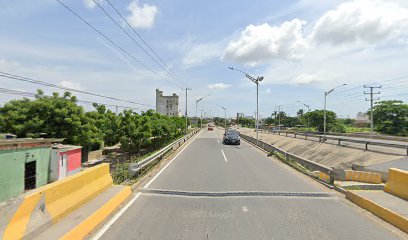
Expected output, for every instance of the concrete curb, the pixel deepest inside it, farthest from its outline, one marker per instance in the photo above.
(362, 176)
(93, 221)
(389, 216)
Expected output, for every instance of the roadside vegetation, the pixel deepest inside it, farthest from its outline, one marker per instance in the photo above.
(390, 118)
(61, 117)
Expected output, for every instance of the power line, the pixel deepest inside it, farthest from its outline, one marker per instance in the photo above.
(127, 34)
(31, 80)
(141, 38)
(108, 39)
(30, 94)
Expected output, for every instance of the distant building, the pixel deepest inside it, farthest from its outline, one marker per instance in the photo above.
(361, 120)
(167, 105)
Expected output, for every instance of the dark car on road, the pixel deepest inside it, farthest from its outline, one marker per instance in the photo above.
(231, 137)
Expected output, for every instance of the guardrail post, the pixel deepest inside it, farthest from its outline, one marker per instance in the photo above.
(366, 146)
(279, 133)
(331, 180)
(320, 138)
(407, 149)
(306, 136)
(295, 135)
(286, 134)
(339, 142)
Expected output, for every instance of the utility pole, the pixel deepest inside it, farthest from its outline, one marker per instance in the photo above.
(372, 93)
(187, 89)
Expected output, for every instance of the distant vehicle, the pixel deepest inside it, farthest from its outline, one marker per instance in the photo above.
(210, 128)
(231, 137)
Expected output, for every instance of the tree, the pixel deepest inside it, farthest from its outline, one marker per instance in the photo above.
(58, 117)
(391, 117)
(316, 120)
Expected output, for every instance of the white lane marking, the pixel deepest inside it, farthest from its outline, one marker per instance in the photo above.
(223, 154)
(218, 141)
(244, 209)
(154, 178)
(105, 227)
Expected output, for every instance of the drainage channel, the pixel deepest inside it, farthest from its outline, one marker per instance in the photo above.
(237, 193)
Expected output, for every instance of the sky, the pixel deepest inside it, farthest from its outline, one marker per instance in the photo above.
(301, 48)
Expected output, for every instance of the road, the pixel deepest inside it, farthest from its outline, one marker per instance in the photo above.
(213, 191)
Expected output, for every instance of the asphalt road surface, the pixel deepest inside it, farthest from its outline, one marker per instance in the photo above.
(214, 191)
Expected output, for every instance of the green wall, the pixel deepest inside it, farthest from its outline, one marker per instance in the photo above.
(12, 169)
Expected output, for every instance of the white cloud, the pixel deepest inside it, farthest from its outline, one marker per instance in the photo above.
(259, 44)
(304, 79)
(141, 16)
(218, 86)
(201, 53)
(72, 85)
(361, 20)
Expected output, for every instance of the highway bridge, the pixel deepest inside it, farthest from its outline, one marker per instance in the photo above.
(208, 190)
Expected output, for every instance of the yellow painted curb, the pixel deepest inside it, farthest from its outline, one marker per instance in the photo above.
(321, 176)
(18, 224)
(86, 226)
(361, 176)
(382, 212)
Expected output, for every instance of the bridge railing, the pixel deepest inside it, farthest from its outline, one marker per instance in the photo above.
(289, 156)
(339, 139)
(136, 168)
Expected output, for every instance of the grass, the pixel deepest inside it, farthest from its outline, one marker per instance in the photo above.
(351, 129)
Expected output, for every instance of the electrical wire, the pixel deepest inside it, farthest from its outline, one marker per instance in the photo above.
(31, 80)
(30, 94)
(127, 34)
(110, 40)
(141, 38)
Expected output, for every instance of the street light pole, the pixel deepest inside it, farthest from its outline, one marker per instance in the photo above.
(308, 117)
(225, 118)
(256, 81)
(187, 89)
(201, 119)
(324, 113)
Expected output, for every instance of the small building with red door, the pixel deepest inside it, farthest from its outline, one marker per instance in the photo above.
(65, 161)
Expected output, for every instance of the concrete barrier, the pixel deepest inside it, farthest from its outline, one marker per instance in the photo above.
(361, 176)
(397, 183)
(48, 204)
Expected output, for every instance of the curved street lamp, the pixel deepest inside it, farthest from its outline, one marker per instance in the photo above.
(256, 81)
(324, 117)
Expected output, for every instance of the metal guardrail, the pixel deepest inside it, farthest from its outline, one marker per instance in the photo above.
(340, 139)
(135, 168)
(289, 156)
